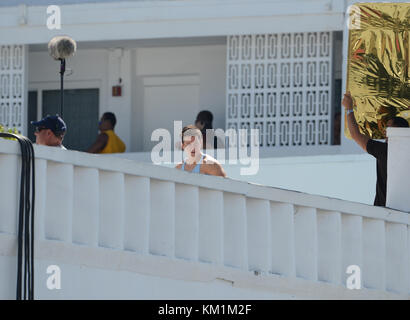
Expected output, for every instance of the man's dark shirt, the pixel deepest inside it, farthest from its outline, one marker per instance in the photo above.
(379, 151)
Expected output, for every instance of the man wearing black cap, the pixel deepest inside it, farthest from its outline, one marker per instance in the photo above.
(50, 131)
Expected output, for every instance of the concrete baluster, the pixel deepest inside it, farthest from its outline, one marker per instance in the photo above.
(41, 198)
(186, 222)
(162, 220)
(306, 243)
(397, 260)
(258, 230)
(329, 230)
(211, 226)
(59, 202)
(235, 237)
(10, 173)
(111, 226)
(374, 254)
(282, 239)
(352, 248)
(137, 212)
(86, 206)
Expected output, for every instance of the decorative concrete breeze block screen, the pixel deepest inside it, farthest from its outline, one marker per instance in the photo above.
(281, 85)
(12, 88)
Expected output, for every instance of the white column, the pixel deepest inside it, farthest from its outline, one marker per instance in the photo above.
(41, 198)
(408, 258)
(258, 223)
(10, 173)
(137, 212)
(398, 173)
(352, 248)
(282, 239)
(306, 243)
(235, 243)
(162, 220)
(111, 219)
(374, 254)
(397, 258)
(59, 202)
(329, 246)
(186, 222)
(211, 226)
(86, 206)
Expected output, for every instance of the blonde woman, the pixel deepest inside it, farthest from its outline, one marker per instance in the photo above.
(196, 161)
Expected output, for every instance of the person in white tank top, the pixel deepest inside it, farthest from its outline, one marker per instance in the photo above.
(196, 161)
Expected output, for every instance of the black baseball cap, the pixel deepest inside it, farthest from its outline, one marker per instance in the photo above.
(54, 123)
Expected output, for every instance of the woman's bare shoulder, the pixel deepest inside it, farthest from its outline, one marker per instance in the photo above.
(213, 167)
(210, 160)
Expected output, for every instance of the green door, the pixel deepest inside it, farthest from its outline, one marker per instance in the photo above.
(80, 115)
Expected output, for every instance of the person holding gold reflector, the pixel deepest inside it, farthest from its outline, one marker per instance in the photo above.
(378, 79)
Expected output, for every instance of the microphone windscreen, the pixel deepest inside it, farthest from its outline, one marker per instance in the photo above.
(61, 47)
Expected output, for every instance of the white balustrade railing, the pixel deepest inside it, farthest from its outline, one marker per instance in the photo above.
(92, 201)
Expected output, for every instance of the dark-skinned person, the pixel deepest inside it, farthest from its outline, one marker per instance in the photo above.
(107, 141)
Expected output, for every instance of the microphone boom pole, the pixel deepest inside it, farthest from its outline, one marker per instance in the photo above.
(60, 48)
(62, 70)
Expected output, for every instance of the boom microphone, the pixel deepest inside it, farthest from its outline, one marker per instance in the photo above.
(61, 47)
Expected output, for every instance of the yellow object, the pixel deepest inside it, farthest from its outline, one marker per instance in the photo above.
(6, 130)
(114, 143)
(378, 71)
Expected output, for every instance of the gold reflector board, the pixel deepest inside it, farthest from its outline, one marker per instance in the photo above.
(378, 73)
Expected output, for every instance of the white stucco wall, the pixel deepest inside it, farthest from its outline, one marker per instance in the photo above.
(140, 20)
(90, 69)
(175, 83)
(184, 79)
(159, 85)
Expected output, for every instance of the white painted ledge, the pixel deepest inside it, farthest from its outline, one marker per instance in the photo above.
(82, 263)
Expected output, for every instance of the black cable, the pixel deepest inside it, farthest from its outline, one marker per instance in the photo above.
(29, 218)
(27, 237)
(26, 223)
(20, 229)
(25, 233)
(33, 197)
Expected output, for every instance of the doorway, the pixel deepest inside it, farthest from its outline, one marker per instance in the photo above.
(81, 114)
